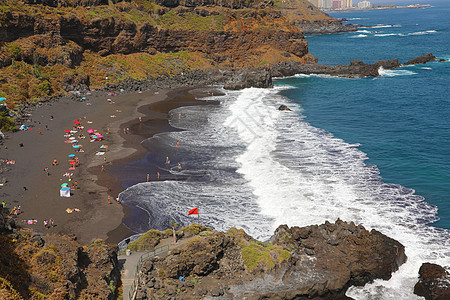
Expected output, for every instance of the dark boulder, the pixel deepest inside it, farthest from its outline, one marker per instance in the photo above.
(388, 64)
(434, 282)
(284, 107)
(258, 78)
(421, 59)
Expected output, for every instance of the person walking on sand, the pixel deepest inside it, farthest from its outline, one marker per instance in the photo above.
(46, 171)
(157, 173)
(179, 167)
(103, 168)
(39, 131)
(148, 177)
(46, 224)
(109, 200)
(167, 160)
(51, 223)
(55, 162)
(76, 185)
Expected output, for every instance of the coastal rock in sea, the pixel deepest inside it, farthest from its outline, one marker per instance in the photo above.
(284, 107)
(421, 59)
(318, 261)
(434, 282)
(388, 63)
(258, 78)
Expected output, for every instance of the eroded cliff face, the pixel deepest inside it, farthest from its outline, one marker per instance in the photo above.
(310, 19)
(319, 261)
(244, 37)
(68, 35)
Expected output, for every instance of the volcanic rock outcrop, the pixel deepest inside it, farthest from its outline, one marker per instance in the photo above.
(318, 262)
(434, 282)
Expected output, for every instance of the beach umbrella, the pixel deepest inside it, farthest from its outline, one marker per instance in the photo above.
(72, 138)
(72, 162)
(77, 123)
(84, 98)
(2, 99)
(71, 155)
(76, 120)
(64, 184)
(65, 189)
(95, 136)
(90, 130)
(72, 168)
(67, 130)
(74, 141)
(75, 146)
(99, 135)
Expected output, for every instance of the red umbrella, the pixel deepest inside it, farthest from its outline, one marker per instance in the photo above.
(67, 130)
(72, 162)
(77, 123)
(76, 120)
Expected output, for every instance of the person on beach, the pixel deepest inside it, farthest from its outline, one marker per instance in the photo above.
(19, 208)
(118, 201)
(39, 131)
(46, 171)
(55, 162)
(76, 185)
(109, 200)
(3, 204)
(140, 119)
(125, 131)
(179, 167)
(51, 222)
(46, 224)
(148, 177)
(167, 160)
(103, 168)
(157, 173)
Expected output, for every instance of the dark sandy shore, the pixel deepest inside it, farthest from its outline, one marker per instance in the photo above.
(38, 193)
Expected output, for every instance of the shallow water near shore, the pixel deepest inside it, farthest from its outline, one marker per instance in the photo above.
(373, 151)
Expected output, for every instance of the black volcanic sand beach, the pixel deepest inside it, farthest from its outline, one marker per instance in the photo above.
(25, 183)
(155, 120)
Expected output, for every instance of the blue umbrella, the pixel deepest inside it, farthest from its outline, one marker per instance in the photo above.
(2, 98)
(71, 155)
(76, 146)
(65, 188)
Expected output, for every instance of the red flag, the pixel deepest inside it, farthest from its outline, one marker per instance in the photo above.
(193, 211)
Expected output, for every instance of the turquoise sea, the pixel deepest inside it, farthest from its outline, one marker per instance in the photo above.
(375, 151)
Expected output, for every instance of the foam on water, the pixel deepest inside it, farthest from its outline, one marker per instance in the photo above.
(390, 73)
(249, 165)
(358, 36)
(302, 175)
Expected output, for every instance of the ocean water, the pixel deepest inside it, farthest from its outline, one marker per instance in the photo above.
(375, 151)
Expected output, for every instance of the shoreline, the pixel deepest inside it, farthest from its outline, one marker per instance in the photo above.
(28, 185)
(155, 120)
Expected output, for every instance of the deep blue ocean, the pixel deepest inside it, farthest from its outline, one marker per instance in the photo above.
(375, 151)
(402, 119)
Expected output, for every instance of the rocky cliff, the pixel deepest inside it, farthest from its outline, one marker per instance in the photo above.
(51, 43)
(319, 261)
(310, 19)
(34, 266)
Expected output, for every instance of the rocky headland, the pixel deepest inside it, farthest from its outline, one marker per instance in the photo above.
(318, 261)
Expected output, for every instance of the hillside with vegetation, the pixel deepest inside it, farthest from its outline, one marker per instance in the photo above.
(50, 47)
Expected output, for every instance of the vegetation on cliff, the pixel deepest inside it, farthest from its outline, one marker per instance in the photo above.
(50, 47)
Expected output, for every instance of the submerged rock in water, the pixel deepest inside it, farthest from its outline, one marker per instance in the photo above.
(284, 107)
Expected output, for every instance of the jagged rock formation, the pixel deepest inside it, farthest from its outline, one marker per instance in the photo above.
(35, 266)
(318, 262)
(434, 282)
(421, 59)
(258, 78)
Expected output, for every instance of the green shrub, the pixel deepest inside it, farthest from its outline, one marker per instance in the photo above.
(45, 87)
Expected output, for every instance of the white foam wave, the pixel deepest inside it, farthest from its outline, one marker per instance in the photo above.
(358, 36)
(390, 73)
(385, 26)
(302, 175)
(385, 34)
(423, 32)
